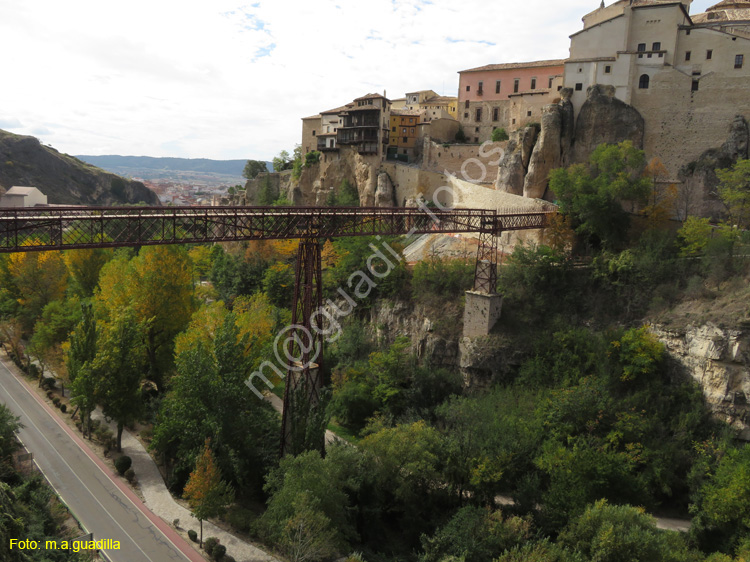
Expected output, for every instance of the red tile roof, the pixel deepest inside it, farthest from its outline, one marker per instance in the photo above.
(516, 65)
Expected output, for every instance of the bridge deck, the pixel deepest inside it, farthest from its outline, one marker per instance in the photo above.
(60, 228)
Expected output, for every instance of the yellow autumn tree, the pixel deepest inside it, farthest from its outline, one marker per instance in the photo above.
(205, 491)
(158, 284)
(38, 278)
(663, 197)
(85, 266)
(202, 328)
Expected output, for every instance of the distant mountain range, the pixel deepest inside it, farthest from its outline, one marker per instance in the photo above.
(122, 164)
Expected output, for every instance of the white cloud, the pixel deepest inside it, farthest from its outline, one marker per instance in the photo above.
(226, 79)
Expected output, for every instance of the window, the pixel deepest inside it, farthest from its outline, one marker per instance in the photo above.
(533, 83)
(313, 132)
(709, 54)
(495, 113)
(641, 49)
(516, 82)
(411, 120)
(466, 115)
(393, 129)
(607, 69)
(643, 82)
(406, 139)
(514, 121)
(403, 131)
(476, 139)
(579, 86)
(466, 105)
(468, 88)
(695, 86)
(551, 78)
(738, 60)
(528, 113)
(476, 129)
(478, 115)
(412, 131)
(687, 55)
(497, 87)
(480, 89)
(687, 32)
(656, 46)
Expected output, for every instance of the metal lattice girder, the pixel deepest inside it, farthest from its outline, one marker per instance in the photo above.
(303, 342)
(59, 228)
(485, 271)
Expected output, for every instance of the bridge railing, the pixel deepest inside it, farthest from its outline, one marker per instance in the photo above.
(58, 228)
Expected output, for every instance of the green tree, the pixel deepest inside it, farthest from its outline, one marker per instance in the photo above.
(253, 168)
(9, 425)
(499, 135)
(282, 162)
(734, 191)
(278, 284)
(84, 267)
(593, 194)
(308, 535)
(266, 193)
(205, 491)
(620, 533)
(312, 158)
(118, 364)
(80, 356)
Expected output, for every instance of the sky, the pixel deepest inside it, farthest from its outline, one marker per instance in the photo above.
(224, 79)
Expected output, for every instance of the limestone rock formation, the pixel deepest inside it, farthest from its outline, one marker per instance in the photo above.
(697, 193)
(718, 359)
(567, 124)
(515, 160)
(605, 119)
(547, 153)
(385, 194)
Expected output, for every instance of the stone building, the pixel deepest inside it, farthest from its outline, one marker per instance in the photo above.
(687, 75)
(310, 130)
(506, 96)
(433, 105)
(366, 125)
(405, 131)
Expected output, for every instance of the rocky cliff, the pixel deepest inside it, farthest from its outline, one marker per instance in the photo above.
(718, 359)
(64, 179)
(529, 158)
(698, 190)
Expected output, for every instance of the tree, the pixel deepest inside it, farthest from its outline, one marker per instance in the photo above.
(158, 285)
(308, 535)
(9, 425)
(205, 491)
(39, 278)
(118, 366)
(499, 135)
(593, 194)
(734, 191)
(58, 320)
(253, 168)
(278, 284)
(663, 198)
(282, 162)
(266, 194)
(84, 267)
(621, 533)
(81, 352)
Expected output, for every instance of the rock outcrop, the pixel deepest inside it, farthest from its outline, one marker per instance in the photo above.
(385, 194)
(547, 153)
(64, 179)
(605, 119)
(515, 161)
(718, 359)
(699, 180)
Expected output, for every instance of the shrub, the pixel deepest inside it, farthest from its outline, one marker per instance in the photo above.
(56, 402)
(499, 135)
(130, 475)
(122, 464)
(192, 535)
(49, 394)
(209, 544)
(63, 408)
(48, 383)
(219, 551)
(176, 523)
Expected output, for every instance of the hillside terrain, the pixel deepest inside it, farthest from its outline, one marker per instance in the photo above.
(63, 178)
(203, 170)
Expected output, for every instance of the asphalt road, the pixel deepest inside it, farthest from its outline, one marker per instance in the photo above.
(101, 506)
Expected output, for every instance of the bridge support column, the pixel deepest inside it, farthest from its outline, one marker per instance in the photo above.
(483, 305)
(303, 347)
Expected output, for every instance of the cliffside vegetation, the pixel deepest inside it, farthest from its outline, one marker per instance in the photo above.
(559, 460)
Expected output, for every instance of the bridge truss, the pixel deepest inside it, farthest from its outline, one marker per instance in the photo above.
(63, 228)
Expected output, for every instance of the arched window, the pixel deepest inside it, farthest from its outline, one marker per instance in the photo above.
(643, 82)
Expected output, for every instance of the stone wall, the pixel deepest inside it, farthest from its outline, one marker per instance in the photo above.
(472, 162)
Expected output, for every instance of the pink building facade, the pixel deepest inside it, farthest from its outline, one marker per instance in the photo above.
(506, 96)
